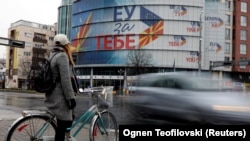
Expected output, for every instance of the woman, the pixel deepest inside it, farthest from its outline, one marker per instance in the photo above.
(61, 100)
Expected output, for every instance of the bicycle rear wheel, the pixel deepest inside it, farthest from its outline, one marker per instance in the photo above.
(27, 129)
(105, 128)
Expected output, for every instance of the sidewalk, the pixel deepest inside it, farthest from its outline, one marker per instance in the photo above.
(19, 91)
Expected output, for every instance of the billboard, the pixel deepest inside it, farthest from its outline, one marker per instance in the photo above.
(184, 59)
(214, 32)
(105, 32)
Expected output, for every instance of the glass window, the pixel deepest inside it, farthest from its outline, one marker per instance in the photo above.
(83, 71)
(243, 48)
(227, 34)
(241, 66)
(28, 44)
(29, 35)
(26, 53)
(227, 48)
(243, 35)
(228, 5)
(243, 7)
(38, 46)
(227, 22)
(226, 59)
(243, 21)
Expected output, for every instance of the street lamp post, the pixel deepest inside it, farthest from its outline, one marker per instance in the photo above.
(120, 71)
(200, 40)
(2, 74)
(211, 64)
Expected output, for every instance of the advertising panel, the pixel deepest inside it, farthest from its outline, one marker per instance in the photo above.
(176, 27)
(86, 5)
(133, 13)
(214, 32)
(106, 32)
(184, 59)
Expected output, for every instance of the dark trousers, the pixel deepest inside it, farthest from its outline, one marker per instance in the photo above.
(61, 129)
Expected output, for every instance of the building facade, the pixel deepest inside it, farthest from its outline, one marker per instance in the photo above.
(22, 62)
(113, 39)
(64, 17)
(241, 39)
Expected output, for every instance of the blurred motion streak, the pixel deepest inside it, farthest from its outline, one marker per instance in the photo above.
(186, 98)
(231, 108)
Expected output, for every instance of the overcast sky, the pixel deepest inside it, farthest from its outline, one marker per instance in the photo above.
(39, 11)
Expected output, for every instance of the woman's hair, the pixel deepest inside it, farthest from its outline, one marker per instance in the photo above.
(69, 53)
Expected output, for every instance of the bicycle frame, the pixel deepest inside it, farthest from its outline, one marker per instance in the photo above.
(101, 122)
(84, 118)
(43, 129)
(91, 114)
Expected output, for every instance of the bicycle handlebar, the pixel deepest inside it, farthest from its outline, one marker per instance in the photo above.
(101, 95)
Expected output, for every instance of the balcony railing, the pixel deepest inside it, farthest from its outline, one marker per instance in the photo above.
(40, 40)
(39, 50)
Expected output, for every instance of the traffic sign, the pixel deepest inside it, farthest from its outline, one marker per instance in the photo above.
(243, 62)
(11, 42)
(214, 64)
(217, 63)
(221, 63)
(4, 41)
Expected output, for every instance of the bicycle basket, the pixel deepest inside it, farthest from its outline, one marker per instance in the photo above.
(105, 96)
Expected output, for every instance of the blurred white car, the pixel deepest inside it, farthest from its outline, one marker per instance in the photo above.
(186, 99)
(132, 87)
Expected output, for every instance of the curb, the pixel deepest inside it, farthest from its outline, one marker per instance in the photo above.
(19, 91)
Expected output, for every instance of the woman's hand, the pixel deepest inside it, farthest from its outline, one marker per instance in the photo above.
(72, 103)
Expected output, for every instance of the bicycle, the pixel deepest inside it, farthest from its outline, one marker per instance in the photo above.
(36, 125)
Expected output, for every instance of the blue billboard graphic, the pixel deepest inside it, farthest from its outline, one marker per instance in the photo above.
(108, 30)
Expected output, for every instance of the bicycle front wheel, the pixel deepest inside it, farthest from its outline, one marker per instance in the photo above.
(32, 128)
(105, 128)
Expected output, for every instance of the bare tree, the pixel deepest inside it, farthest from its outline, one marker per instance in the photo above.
(139, 60)
(24, 68)
(2, 73)
(2, 63)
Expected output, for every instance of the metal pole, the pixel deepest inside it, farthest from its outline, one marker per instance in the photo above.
(120, 84)
(199, 57)
(120, 71)
(4, 80)
(211, 66)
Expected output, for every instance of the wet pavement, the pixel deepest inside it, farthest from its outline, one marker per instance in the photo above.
(5, 124)
(4, 127)
(12, 104)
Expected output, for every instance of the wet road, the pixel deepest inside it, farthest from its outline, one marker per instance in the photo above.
(12, 104)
